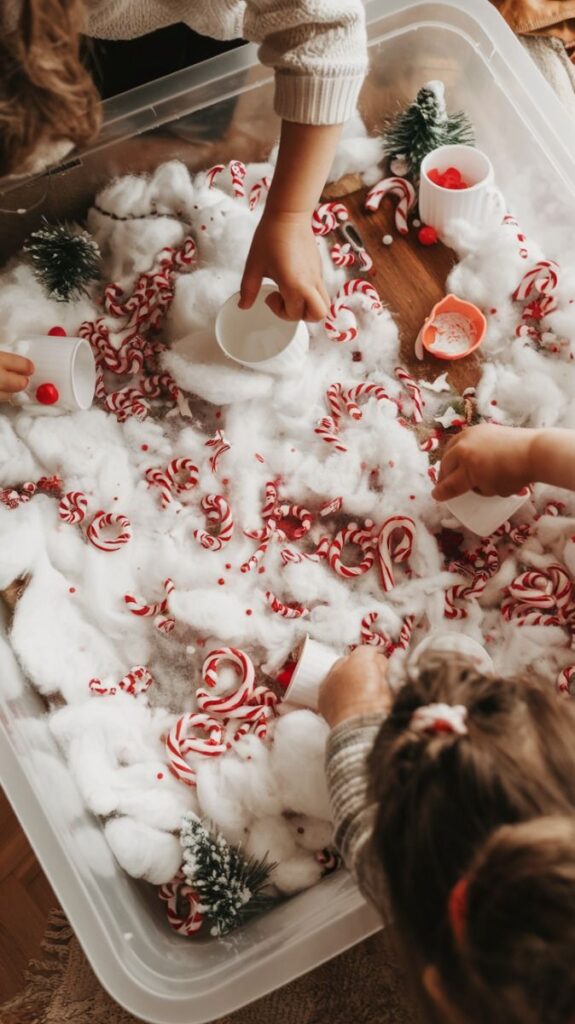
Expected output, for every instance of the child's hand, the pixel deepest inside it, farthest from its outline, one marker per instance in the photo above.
(356, 685)
(488, 459)
(15, 372)
(284, 248)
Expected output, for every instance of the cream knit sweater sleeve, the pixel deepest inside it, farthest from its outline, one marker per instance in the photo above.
(317, 47)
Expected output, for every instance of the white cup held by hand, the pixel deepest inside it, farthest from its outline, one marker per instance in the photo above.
(257, 338)
(64, 377)
(481, 203)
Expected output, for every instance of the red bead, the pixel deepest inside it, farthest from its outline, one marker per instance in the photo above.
(57, 332)
(225, 481)
(160, 775)
(228, 565)
(47, 394)
(71, 590)
(218, 414)
(144, 447)
(427, 235)
(249, 611)
(261, 569)
(221, 582)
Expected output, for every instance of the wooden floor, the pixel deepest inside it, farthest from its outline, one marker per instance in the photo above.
(25, 902)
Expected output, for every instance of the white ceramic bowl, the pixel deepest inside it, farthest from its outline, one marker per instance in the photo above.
(257, 338)
(67, 363)
(481, 204)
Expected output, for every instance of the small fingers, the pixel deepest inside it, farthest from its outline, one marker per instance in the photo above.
(14, 382)
(316, 307)
(249, 288)
(451, 486)
(288, 305)
(18, 364)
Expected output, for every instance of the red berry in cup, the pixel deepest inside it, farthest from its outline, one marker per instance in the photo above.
(57, 332)
(434, 176)
(427, 235)
(47, 394)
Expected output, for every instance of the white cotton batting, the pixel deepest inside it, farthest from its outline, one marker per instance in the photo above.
(297, 763)
(142, 851)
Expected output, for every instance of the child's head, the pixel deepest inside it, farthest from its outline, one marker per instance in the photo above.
(48, 101)
(476, 835)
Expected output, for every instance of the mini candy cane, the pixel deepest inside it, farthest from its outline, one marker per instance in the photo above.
(566, 681)
(302, 515)
(218, 511)
(342, 255)
(238, 174)
(331, 507)
(430, 444)
(287, 611)
(288, 555)
(213, 173)
(179, 475)
(182, 740)
(268, 534)
(165, 624)
(103, 521)
(542, 278)
(351, 396)
(183, 905)
(136, 681)
(509, 220)
(327, 216)
(413, 390)
(399, 187)
(220, 446)
(72, 507)
(256, 191)
(327, 430)
(354, 286)
(239, 697)
(392, 550)
(351, 535)
(373, 637)
(539, 308)
(143, 609)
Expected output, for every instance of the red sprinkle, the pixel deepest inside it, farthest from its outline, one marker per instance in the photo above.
(202, 227)
(221, 582)
(249, 611)
(160, 775)
(228, 565)
(218, 414)
(144, 447)
(493, 311)
(225, 481)
(261, 569)
(71, 590)
(412, 497)
(57, 332)
(493, 401)
(391, 465)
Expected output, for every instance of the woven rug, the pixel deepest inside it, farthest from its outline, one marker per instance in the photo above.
(363, 985)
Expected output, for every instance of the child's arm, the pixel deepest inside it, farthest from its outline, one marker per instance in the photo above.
(502, 460)
(319, 53)
(354, 700)
(14, 374)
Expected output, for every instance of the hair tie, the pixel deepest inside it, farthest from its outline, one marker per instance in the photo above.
(440, 718)
(457, 909)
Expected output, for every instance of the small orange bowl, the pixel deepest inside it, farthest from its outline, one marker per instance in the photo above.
(451, 304)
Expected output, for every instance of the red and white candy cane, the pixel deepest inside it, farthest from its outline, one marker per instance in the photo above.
(510, 221)
(342, 255)
(260, 186)
(288, 555)
(327, 429)
(414, 391)
(104, 521)
(218, 513)
(165, 624)
(539, 308)
(394, 545)
(549, 589)
(295, 512)
(287, 611)
(267, 535)
(182, 740)
(379, 638)
(542, 278)
(183, 905)
(213, 173)
(179, 475)
(327, 216)
(220, 446)
(331, 507)
(430, 443)
(127, 402)
(72, 507)
(238, 174)
(238, 698)
(136, 681)
(352, 534)
(143, 609)
(351, 396)
(566, 681)
(405, 193)
(355, 286)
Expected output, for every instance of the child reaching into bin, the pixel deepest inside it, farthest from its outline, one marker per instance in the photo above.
(454, 807)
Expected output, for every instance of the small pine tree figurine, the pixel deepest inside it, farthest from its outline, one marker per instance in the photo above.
(229, 885)
(424, 126)
(65, 259)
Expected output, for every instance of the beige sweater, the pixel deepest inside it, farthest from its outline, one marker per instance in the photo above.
(317, 47)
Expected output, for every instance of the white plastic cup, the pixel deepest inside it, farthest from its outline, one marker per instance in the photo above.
(452, 643)
(257, 338)
(482, 515)
(314, 663)
(67, 363)
(480, 204)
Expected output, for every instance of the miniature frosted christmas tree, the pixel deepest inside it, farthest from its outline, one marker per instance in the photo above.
(422, 127)
(65, 259)
(229, 886)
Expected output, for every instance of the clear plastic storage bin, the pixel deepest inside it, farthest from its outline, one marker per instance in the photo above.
(121, 924)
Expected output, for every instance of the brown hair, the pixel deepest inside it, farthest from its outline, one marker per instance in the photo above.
(497, 807)
(46, 95)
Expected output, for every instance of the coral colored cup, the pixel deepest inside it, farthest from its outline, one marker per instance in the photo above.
(451, 304)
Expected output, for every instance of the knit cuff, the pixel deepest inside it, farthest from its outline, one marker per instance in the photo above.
(311, 99)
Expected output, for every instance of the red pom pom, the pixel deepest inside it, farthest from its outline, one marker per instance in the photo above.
(47, 394)
(285, 675)
(434, 176)
(57, 332)
(427, 235)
